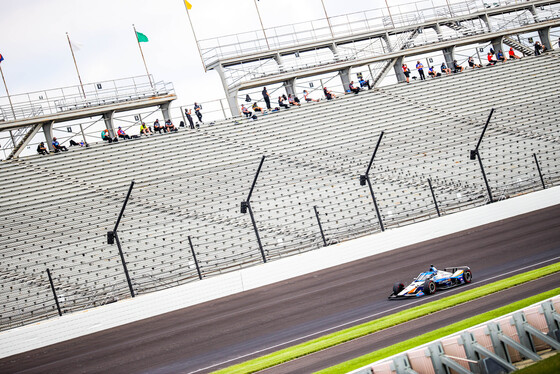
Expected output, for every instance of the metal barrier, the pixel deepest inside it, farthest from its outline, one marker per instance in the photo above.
(492, 347)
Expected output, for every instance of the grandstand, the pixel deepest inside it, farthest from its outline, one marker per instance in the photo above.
(56, 210)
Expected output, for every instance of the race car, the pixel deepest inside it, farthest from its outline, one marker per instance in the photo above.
(428, 282)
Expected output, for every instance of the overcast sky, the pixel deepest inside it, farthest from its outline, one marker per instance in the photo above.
(37, 56)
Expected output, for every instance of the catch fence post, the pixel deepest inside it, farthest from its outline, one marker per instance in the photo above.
(54, 293)
(539, 169)
(320, 226)
(195, 260)
(434, 197)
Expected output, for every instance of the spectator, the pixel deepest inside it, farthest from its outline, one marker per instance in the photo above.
(420, 69)
(170, 127)
(328, 94)
(500, 56)
(84, 144)
(512, 54)
(406, 72)
(491, 61)
(364, 83)
(42, 150)
(188, 113)
(472, 64)
(352, 88)
(538, 48)
(197, 111)
(73, 143)
(558, 42)
(145, 129)
(122, 134)
(282, 103)
(266, 98)
(307, 98)
(246, 111)
(257, 108)
(293, 100)
(456, 67)
(432, 72)
(445, 69)
(106, 137)
(158, 127)
(57, 147)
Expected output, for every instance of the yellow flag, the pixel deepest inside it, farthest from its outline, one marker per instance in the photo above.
(189, 6)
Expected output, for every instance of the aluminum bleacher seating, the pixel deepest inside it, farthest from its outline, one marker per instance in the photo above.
(56, 210)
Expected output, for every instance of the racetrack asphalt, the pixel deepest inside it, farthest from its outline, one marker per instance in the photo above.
(222, 332)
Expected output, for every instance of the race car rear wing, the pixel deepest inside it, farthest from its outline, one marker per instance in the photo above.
(455, 268)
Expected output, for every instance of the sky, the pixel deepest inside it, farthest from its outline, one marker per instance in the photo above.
(37, 55)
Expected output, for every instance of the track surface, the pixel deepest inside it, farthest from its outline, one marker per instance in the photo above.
(222, 332)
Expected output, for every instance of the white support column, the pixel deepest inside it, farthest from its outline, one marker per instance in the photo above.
(449, 56)
(437, 29)
(497, 44)
(398, 70)
(108, 118)
(165, 111)
(345, 77)
(230, 96)
(48, 131)
(280, 62)
(334, 49)
(544, 35)
(387, 42)
(290, 86)
(486, 20)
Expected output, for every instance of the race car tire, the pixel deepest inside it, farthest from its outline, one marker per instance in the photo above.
(397, 288)
(429, 287)
(467, 276)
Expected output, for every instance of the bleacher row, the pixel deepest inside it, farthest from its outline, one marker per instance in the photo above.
(56, 210)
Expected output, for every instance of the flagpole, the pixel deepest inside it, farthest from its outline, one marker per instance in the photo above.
(76, 65)
(327, 16)
(142, 53)
(262, 26)
(7, 92)
(194, 34)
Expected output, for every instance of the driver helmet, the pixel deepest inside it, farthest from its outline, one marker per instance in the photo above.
(433, 268)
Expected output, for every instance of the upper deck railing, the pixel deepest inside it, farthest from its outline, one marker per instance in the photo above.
(340, 26)
(58, 100)
(320, 30)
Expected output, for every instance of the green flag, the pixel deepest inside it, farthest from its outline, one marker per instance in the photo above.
(141, 37)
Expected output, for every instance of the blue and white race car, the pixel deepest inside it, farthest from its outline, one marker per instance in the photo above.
(428, 282)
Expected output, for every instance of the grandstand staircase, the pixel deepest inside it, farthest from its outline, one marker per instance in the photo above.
(510, 42)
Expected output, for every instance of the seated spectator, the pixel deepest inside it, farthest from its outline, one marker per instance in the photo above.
(158, 127)
(247, 112)
(257, 108)
(491, 61)
(122, 134)
(472, 64)
(500, 56)
(170, 127)
(282, 103)
(445, 69)
(293, 100)
(145, 129)
(57, 147)
(406, 72)
(432, 72)
(351, 87)
(512, 54)
(307, 98)
(456, 67)
(106, 137)
(84, 144)
(42, 150)
(364, 83)
(328, 94)
(73, 143)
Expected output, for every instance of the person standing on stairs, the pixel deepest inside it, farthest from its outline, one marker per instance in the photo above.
(266, 98)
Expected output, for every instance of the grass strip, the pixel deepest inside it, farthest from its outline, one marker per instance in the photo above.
(548, 365)
(370, 327)
(437, 334)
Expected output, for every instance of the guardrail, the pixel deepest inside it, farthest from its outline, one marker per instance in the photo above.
(491, 347)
